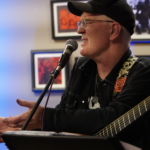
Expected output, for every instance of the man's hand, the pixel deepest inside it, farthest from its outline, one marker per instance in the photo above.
(18, 121)
(4, 127)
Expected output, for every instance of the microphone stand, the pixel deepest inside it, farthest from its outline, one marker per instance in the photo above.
(52, 77)
(63, 60)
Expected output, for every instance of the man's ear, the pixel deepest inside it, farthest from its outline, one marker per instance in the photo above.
(115, 31)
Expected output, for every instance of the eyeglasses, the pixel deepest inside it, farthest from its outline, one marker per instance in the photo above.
(84, 22)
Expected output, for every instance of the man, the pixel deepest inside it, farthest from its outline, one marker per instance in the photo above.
(104, 84)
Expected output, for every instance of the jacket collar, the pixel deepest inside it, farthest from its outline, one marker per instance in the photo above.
(111, 78)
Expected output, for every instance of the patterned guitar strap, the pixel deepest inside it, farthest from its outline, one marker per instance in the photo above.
(122, 76)
(119, 84)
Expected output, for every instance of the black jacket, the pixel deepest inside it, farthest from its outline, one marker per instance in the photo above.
(73, 114)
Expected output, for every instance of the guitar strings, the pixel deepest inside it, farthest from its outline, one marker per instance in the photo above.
(124, 120)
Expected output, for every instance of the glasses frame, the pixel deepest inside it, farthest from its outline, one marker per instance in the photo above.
(84, 22)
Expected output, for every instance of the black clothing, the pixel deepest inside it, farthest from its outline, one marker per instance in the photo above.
(73, 114)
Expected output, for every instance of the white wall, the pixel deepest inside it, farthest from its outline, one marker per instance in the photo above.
(25, 25)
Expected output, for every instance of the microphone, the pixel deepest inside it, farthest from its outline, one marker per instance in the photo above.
(71, 45)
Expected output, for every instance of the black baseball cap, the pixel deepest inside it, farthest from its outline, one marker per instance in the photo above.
(118, 10)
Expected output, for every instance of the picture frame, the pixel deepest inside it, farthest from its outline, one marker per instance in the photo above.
(142, 33)
(64, 23)
(43, 63)
(146, 56)
(141, 9)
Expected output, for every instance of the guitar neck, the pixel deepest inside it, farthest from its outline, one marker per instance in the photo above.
(126, 119)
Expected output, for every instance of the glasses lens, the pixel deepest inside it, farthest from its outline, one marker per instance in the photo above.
(81, 24)
(78, 24)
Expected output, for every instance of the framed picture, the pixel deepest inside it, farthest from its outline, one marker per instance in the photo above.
(43, 63)
(141, 9)
(64, 23)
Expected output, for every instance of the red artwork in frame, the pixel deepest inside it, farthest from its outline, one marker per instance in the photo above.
(45, 67)
(67, 21)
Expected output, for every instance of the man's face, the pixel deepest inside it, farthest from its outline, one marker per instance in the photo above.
(95, 35)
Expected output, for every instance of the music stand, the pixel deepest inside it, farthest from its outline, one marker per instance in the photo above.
(40, 140)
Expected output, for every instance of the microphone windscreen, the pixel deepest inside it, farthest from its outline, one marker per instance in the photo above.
(72, 43)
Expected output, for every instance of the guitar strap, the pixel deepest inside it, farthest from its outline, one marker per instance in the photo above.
(122, 76)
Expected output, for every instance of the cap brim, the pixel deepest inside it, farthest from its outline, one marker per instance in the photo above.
(77, 8)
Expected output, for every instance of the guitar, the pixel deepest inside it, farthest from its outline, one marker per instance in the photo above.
(126, 119)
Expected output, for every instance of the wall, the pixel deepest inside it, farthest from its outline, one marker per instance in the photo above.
(25, 25)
